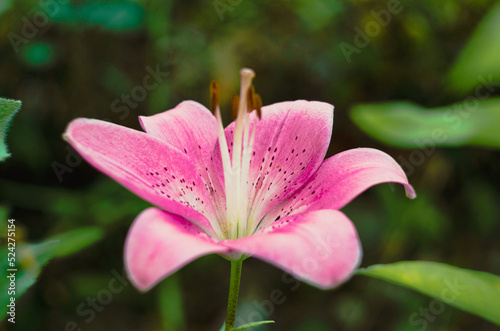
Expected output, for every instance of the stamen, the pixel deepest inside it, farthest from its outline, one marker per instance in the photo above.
(234, 106)
(254, 101)
(214, 96)
(258, 104)
(250, 99)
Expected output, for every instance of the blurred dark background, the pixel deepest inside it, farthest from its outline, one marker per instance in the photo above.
(65, 59)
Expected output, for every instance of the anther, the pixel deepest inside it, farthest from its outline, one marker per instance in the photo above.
(257, 103)
(250, 99)
(234, 106)
(254, 101)
(214, 96)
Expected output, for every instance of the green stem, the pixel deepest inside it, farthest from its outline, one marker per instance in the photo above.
(234, 290)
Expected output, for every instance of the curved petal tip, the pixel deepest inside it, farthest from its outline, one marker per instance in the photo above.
(410, 192)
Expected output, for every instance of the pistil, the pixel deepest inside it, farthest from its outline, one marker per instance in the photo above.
(237, 167)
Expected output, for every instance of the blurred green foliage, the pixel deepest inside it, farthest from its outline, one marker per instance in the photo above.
(38, 54)
(30, 258)
(248, 326)
(407, 125)
(170, 304)
(109, 15)
(479, 57)
(88, 54)
(472, 122)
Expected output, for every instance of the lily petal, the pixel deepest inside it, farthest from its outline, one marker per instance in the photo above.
(340, 179)
(159, 243)
(152, 169)
(189, 127)
(192, 129)
(291, 141)
(321, 247)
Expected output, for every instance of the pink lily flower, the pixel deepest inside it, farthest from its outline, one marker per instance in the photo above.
(260, 187)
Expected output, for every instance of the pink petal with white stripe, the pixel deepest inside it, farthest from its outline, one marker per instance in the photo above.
(149, 167)
(192, 129)
(291, 140)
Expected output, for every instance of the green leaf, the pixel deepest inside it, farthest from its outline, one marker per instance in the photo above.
(30, 258)
(479, 57)
(34, 256)
(69, 242)
(473, 291)
(404, 124)
(252, 325)
(7, 110)
(247, 326)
